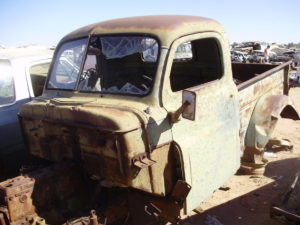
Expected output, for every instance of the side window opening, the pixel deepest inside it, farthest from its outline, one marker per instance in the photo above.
(195, 63)
(38, 74)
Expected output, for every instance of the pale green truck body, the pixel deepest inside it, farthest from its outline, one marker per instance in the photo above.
(134, 139)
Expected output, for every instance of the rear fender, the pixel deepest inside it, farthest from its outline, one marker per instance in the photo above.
(266, 113)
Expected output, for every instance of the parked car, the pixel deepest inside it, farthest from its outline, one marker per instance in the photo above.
(293, 55)
(297, 58)
(23, 73)
(289, 54)
(295, 77)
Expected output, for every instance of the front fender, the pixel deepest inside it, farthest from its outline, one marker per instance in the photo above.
(266, 113)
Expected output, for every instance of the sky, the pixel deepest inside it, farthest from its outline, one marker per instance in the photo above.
(45, 22)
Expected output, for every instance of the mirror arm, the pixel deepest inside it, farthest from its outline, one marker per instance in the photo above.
(174, 117)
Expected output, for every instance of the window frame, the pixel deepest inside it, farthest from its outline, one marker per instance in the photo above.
(220, 54)
(54, 60)
(14, 86)
(123, 35)
(169, 98)
(28, 75)
(76, 89)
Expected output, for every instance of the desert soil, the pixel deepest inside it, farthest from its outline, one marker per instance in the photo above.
(248, 198)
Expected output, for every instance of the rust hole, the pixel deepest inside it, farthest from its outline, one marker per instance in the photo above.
(23, 198)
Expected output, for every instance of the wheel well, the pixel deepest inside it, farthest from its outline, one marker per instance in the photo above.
(289, 112)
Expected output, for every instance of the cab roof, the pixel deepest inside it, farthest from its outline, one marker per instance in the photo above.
(166, 27)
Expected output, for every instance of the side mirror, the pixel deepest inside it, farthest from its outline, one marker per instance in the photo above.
(190, 111)
(187, 109)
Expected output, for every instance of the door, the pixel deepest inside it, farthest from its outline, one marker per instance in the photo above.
(210, 143)
(8, 107)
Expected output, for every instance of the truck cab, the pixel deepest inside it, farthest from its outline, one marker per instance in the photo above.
(113, 106)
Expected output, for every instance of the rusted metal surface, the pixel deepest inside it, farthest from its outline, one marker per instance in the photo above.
(28, 197)
(116, 139)
(211, 141)
(170, 27)
(267, 110)
(58, 138)
(90, 115)
(181, 191)
(258, 123)
(286, 82)
(142, 161)
(93, 219)
(104, 154)
(16, 193)
(246, 71)
(263, 75)
(272, 85)
(266, 113)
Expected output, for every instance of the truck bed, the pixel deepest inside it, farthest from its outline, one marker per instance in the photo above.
(243, 72)
(255, 80)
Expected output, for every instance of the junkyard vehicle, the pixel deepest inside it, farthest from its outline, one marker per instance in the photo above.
(295, 77)
(237, 56)
(280, 59)
(23, 73)
(258, 56)
(291, 55)
(297, 58)
(138, 133)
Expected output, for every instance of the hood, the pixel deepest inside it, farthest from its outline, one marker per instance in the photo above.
(86, 113)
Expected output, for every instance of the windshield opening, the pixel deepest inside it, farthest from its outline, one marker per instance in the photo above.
(119, 64)
(113, 64)
(67, 65)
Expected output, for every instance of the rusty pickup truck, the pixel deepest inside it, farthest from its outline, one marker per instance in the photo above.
(142, 118)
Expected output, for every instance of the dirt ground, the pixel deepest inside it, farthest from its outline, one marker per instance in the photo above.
(248, 199)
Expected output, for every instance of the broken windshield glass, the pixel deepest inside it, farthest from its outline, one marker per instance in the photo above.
(120, 65)
(119, 47)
